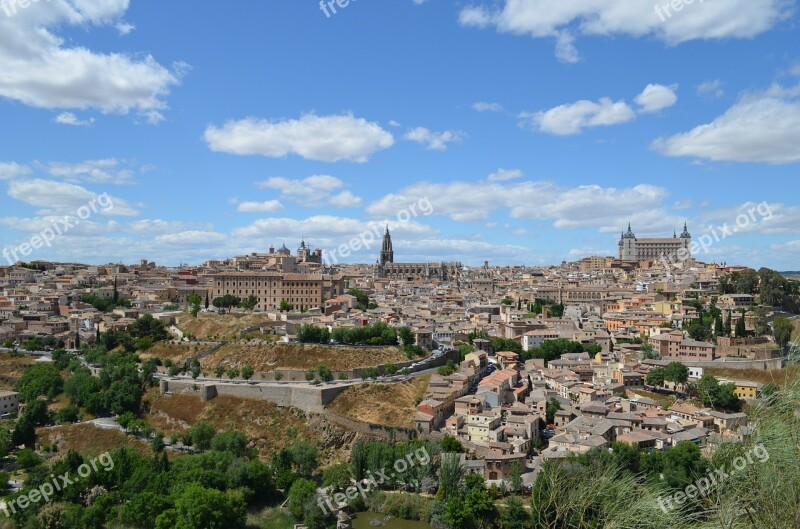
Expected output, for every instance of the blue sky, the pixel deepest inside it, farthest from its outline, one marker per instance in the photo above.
(535, 130)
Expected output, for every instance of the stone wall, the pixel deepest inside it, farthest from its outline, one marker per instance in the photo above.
(725, 363)
(307, 398)
(296, 375)
(372, 430)
(202, 355)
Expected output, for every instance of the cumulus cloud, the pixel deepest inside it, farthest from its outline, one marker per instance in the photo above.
(606, 209)
(43, 70)
(346, 199)
(321, 138)
(269, 206)
(68, 118)
(656, 97)
(9, 170)
(436, 141)
(568, 119)
(761, 128)
(56, 198)
(505, 174)
(158, 226)
(567, 20)
(105, 171)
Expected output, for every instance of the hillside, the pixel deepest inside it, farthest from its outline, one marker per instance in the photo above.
(387, 404)
(272, 356)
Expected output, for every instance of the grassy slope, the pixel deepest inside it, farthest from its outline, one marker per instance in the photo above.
(389, 404)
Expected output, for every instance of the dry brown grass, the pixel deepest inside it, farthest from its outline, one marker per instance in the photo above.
(387, 404)
(87, 439)
(774, 376)
(268, 357)
(178, 353)
(211, 326)
(11, 369)
(662, 400)
(269, 427)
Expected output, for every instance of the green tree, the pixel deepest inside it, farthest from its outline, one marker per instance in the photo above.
(337, 476)
(233, 442)
(515, 476)
(41, 379)
(248, 372)
(550, 410)
(227, 302)
(451, 445)
(305, 456)
(28, 458)
(677, 373)
(194, 301)
(5, 442)
(219, 371)
(250, 302)
(451, 472)
(656, 377)
(741, 329)
(782, 329)
(514, 515)
(324, 373)
(24, 433)
(201, 435)
(406, 335)
(301, 494)
(202, 508)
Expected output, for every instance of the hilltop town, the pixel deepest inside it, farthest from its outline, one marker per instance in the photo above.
(520, 367)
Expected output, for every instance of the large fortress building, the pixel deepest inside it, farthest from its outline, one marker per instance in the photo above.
(633, 249)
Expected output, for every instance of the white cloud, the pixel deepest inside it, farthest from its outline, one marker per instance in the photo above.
(346, 199)
(42, 69)
(105, 171)
(270, 206)
(758, 128)
(124, 28)
(309, 186)
(713, 87)
(606, 209)
(9, 170)
(656, 97)
(55, 198)
(190, 238)
(436, 141)
(158, 226)
(483, 106)
(68, 118)
(86, 227)
(321, 138)
(313, 191)
(566, 20)
(569, 119)
(578, 253)
(326, 229)
(505, 174)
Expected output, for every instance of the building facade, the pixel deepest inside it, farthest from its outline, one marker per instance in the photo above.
(387, 268)
(301, 290)
(633, 249)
